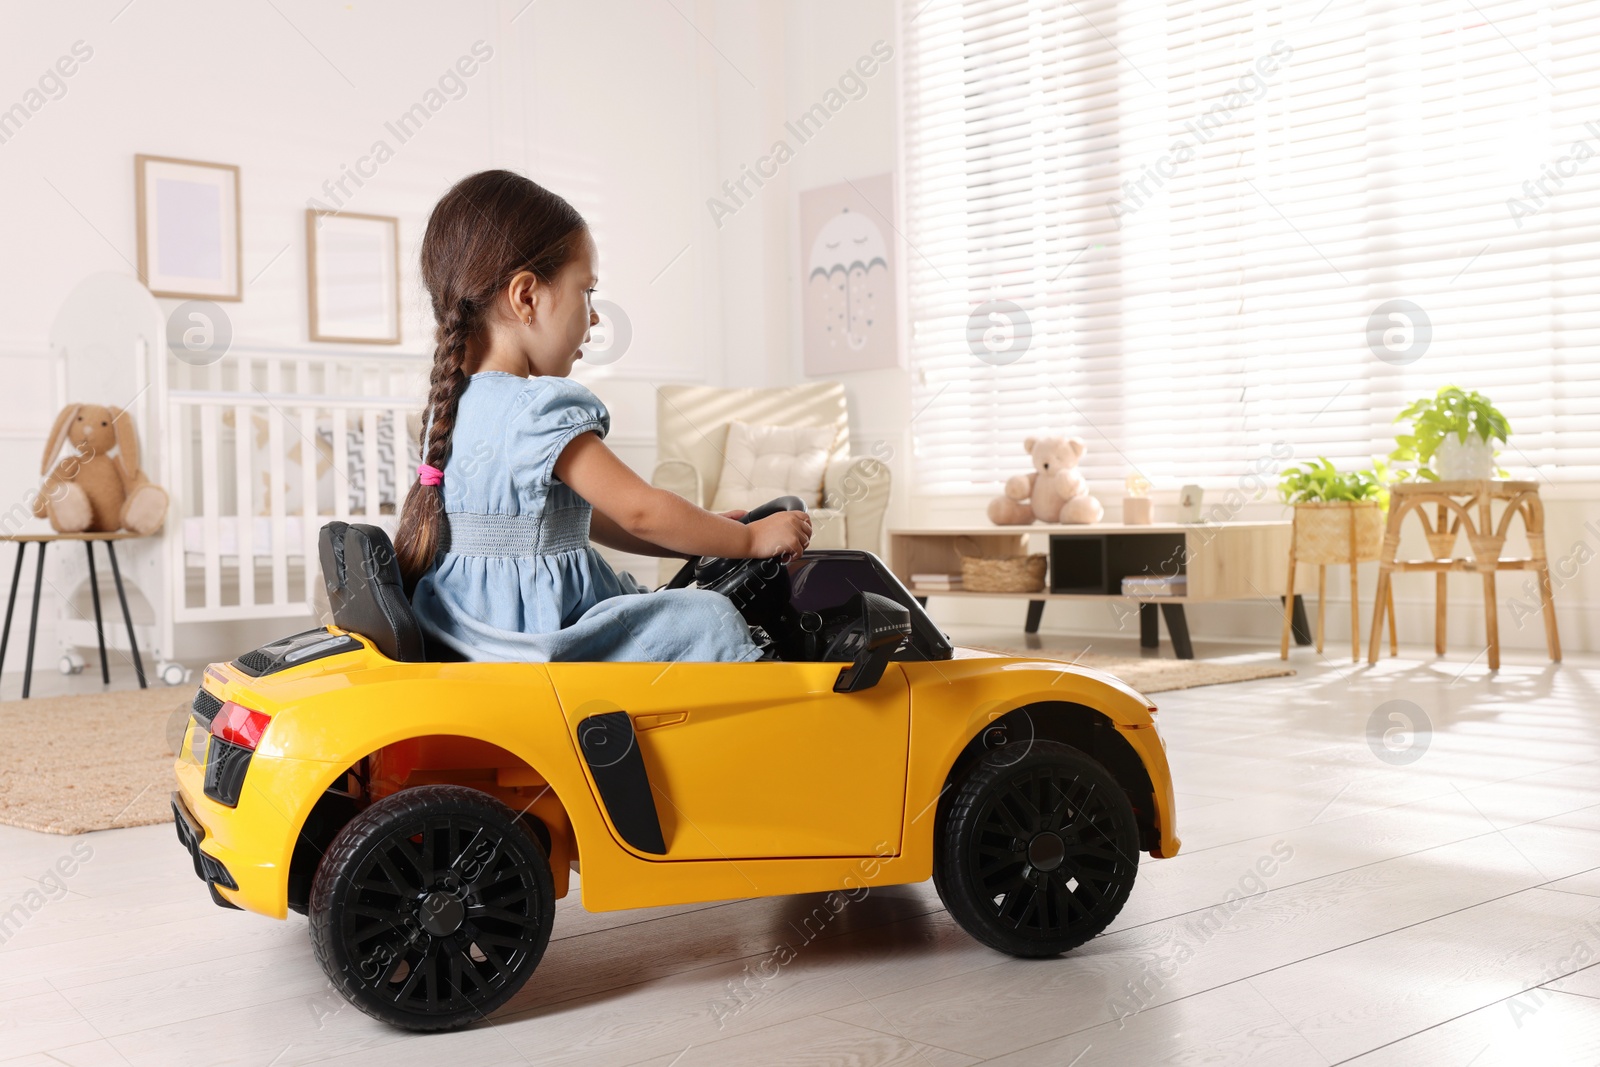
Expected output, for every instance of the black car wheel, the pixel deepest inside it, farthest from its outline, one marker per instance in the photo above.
(1037, 849)
(432, 907)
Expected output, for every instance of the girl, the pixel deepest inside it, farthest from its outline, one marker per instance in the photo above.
(494, 536)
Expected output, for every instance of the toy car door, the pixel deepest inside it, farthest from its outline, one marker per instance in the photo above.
(741, 760)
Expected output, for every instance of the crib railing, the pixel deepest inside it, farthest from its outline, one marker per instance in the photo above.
(248, 370)
(260, 457)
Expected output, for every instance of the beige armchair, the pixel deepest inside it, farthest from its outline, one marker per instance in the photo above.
(692, 427)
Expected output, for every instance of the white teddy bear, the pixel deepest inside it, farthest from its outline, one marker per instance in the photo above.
(1055, 492)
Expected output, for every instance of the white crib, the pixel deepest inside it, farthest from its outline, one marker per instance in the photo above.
(262, 449)
(257, 450)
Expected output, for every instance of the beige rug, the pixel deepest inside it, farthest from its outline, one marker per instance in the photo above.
(90, 761)
(1159, 675)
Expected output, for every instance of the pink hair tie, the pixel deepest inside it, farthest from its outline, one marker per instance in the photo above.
(429, 475)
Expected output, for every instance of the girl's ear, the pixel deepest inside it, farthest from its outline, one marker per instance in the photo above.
(522, 293)
(58, 435)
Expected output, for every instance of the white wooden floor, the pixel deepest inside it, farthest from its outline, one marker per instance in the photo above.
(1329, 907)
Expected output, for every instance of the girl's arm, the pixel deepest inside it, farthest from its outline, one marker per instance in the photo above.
(608, 533)
(603, 530)
(661, 522)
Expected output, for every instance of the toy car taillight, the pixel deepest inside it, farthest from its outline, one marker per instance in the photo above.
(235, 732)
(239, 725)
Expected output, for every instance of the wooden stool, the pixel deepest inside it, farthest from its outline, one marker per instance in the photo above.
(1338, 532)
(1486, 538)
(44, 540)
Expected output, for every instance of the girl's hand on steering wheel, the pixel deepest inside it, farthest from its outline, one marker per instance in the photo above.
(785, 534)
(736, 513)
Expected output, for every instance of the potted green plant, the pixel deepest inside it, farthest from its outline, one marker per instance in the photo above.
(1451, 435)
(1333, 506)
(1338, 518)
(1323, 483)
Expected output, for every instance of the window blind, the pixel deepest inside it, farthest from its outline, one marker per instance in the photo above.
(1216, 237)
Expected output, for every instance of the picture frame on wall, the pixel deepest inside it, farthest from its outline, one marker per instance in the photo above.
(189, 231)
(848, 299)
(353, 277)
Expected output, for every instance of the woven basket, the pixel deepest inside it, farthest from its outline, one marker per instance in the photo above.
(1323, 531)
(1002, 574)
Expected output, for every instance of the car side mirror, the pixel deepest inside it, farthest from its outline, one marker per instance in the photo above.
(883, 627)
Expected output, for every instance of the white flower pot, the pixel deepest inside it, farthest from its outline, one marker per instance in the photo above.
(1464, 461)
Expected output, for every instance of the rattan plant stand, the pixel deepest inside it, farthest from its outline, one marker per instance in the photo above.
(1466, 507)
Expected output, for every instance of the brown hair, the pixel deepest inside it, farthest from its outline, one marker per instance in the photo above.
(482, 233)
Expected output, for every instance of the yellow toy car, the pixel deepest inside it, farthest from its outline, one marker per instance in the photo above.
(426, 814)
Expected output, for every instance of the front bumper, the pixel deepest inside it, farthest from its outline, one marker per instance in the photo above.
(1152, 751)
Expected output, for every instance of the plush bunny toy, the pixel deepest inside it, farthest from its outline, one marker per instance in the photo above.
(91, 490)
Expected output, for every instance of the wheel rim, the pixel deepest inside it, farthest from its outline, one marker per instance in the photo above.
(1048, 858)
(441, 914)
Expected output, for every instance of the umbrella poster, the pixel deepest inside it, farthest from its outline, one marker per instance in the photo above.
(849, 297)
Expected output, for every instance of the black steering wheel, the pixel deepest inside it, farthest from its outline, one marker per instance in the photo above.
(708, 570)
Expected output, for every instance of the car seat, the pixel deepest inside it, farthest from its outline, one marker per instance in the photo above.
(365, 592)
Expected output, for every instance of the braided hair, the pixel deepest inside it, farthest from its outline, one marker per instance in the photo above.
(488, 228)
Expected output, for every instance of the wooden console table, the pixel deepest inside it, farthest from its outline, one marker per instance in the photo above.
(1221, 561)
(1456, 503)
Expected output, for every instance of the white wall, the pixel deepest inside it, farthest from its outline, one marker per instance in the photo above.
(626, 107)
(823, 42)
(808, 45)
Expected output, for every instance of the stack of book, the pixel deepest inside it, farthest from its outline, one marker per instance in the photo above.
(936, 582)
(1155, 585)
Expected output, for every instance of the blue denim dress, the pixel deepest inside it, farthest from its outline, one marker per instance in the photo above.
(517, 578)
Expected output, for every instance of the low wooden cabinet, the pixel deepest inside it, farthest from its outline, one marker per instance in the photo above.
(1219, 561)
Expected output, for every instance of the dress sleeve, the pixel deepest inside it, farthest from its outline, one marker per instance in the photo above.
(551, 412)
